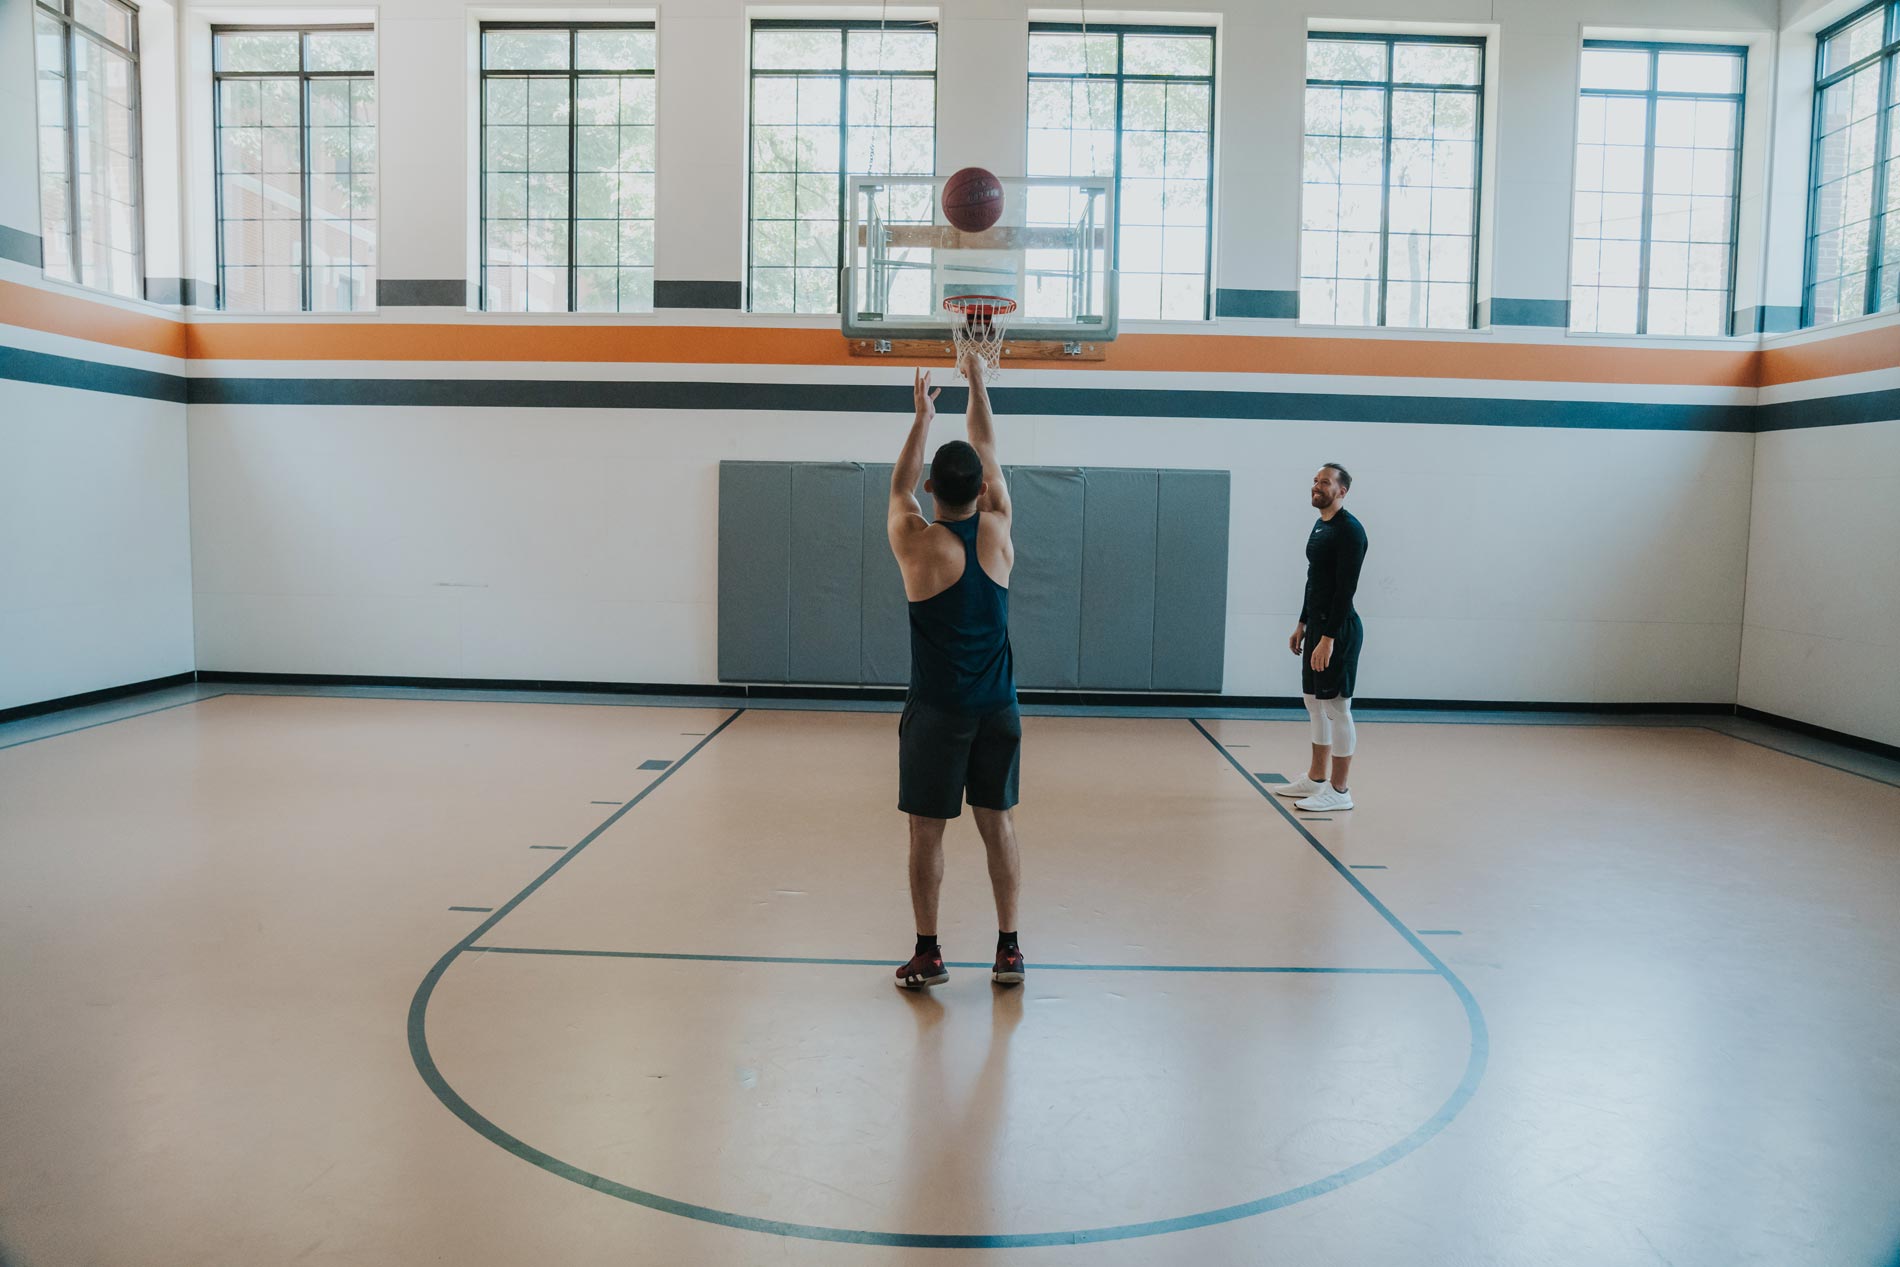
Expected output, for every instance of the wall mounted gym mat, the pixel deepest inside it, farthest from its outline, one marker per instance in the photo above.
(1120, 580)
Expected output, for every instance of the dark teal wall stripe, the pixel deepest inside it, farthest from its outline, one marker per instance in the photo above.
(1101, 402)
(1098, 402)
(65, 371)
(397, 292)
(1768, 319)
(1524, 312)
(1829, 411)
(20, 246)
(689, 294)
(180, 292)
(1282, 304)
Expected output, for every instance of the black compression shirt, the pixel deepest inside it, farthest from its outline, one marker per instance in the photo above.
(1334, 552)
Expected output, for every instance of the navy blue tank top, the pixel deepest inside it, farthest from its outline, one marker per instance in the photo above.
(959, 639)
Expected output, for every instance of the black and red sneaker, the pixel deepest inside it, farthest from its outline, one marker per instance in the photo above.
(924, 969)
(1009, 966)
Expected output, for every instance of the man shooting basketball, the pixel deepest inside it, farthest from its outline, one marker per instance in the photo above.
(1327, 640)
(961, 733)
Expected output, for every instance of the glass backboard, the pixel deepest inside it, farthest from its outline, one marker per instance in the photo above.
(1051, 252)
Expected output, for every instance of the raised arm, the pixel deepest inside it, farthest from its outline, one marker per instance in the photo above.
(995, 499)
(905, 516)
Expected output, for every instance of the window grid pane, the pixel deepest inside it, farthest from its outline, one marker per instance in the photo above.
(568, 164)
(87, 85)
(827, 101)
(1657, 175)
(296, 155)
(1853, 257)
(1159, 147)
(1389, 202)
(55, 167)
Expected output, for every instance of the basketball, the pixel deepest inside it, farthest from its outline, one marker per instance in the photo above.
(972, 199)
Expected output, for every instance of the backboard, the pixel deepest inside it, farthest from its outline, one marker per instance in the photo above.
(1051, 251)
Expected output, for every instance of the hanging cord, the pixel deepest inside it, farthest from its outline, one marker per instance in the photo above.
(1088, 87)
(880, 101)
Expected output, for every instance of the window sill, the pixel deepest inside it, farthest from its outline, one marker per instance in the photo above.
(1866, 321)
(1391, 332)
(1609, 338)
(79, 290)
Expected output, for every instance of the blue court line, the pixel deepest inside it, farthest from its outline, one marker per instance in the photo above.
(425, 1065)
(471, 908)
(547, 846)
(892, 963)
(1367, 866)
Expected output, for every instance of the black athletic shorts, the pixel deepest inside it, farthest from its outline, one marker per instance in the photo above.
(942, 756)
(1337, 681)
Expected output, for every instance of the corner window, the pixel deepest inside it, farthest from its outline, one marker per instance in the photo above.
(1853, 260)
(88, 64)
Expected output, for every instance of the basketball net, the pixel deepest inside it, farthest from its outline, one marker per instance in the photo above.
(977, 326)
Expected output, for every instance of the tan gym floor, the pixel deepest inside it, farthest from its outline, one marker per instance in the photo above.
(331, 979)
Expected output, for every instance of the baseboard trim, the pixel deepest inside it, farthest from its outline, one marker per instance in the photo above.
(885, 694)
(1612, 707)
(741, 691)
(22, 711)
(720, 690)
(1841, 737)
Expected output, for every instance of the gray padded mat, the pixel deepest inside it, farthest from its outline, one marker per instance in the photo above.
(1120, 581)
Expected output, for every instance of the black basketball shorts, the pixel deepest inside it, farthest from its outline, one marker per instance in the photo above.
(1337, 680)
(944, 757)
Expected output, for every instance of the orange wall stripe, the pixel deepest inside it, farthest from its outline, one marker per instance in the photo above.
(736, 345)
(1824, 358)
(55, 312)
(392, 341)
(1427, 358)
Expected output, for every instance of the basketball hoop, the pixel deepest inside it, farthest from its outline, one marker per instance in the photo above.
(977, 325)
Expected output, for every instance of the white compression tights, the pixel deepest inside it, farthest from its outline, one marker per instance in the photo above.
(1332, 724)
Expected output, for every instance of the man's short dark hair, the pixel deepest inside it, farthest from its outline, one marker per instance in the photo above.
(956, 474)
(1345, 476)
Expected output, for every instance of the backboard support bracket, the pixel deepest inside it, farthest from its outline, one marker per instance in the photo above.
(1016, 350)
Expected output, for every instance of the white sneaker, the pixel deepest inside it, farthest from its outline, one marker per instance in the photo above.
(1326, 798)
(1301, 786)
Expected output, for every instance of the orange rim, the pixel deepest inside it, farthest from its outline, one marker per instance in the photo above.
(979, 307)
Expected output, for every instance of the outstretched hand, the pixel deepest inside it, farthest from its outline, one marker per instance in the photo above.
(925, 395)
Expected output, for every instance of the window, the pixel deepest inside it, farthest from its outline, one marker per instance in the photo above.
(829, 99)
(1137, 104)
(567, 167)
(1389, 214)
(295, 114)
(1853, 231)
(1659, 134)
(87, 54)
